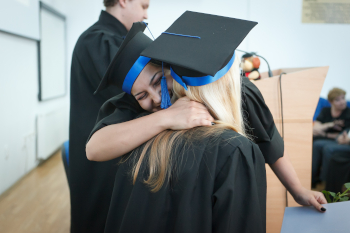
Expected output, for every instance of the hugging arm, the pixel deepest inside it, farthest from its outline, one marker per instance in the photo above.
(118, 138)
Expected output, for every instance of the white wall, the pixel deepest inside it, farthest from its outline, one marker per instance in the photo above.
(286, 42)
(162, 13)
(19, 90)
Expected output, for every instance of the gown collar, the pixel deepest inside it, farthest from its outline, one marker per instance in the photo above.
(112, 23)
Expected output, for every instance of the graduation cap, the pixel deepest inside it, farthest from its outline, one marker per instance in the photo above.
(199, 47)
(127, 64)
(247, 55)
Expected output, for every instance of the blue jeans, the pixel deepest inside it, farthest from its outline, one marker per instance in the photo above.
(322, 151)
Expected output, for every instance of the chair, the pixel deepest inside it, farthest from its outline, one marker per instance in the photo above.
(65, 158)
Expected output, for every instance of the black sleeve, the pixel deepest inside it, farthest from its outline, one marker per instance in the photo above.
(96, 51)
(260, 123)
(118, 109)
(239, 197)
(322, 117)
(347, 118)
(106, 47)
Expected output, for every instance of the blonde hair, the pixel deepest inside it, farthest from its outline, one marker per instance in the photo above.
(223, 100)
(334, 93)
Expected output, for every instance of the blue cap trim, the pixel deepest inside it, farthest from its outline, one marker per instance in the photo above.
(134, 72)
(174, 34)
(204, 80)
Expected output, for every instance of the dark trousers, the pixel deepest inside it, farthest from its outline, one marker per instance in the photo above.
(338, 171)
(322, 151)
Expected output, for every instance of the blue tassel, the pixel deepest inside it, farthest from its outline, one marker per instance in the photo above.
(166, 103)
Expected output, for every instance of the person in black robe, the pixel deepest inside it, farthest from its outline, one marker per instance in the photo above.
(219, 186)
(91, 183)
(117, 110)
(124, 133)
(219, 180)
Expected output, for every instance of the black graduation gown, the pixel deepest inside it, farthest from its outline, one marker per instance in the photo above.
(260, 122)
(257, 115)
(219, 186)
(91, 183)
(124, 107)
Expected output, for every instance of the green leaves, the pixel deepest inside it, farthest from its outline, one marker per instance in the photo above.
(326, 194)
(347, 185)
(337, 197)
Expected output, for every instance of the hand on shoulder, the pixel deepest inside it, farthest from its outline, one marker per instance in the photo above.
(187, 114)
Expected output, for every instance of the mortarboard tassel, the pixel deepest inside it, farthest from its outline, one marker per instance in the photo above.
(166, 103)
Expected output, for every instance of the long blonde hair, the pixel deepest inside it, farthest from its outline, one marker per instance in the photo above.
(223, 100)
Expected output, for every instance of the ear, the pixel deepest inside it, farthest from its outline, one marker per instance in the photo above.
(122, 3)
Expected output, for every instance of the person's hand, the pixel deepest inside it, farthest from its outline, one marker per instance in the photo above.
(186, 114)
(329, 125)
(339, 122)
(343, 139)
(338, 125)
(307, 197)
(332, 135)
(318, 132)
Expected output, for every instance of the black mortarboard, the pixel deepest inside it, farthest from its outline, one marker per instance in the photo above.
(127, 64)
(199, 47)
(247, 55)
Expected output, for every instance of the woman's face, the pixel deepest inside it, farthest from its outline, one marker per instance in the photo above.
(339, 103)
(147, 87)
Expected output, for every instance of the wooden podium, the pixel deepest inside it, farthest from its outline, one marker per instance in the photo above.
(301, 89)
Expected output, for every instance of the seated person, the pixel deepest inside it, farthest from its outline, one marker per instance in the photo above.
(327, 127)
(339, 165)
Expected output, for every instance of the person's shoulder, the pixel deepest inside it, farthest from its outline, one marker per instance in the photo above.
(233, 146)
(123, 100)
(234, 138)
(325, 110)
(347, 113)
(251, 95)
(99, 29)
(230, 141)
(88, 31)
(325, 115)
(249, 88)
(95, 34)
(116, 110)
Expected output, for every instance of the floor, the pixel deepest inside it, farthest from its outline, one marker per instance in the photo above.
(39, 202)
